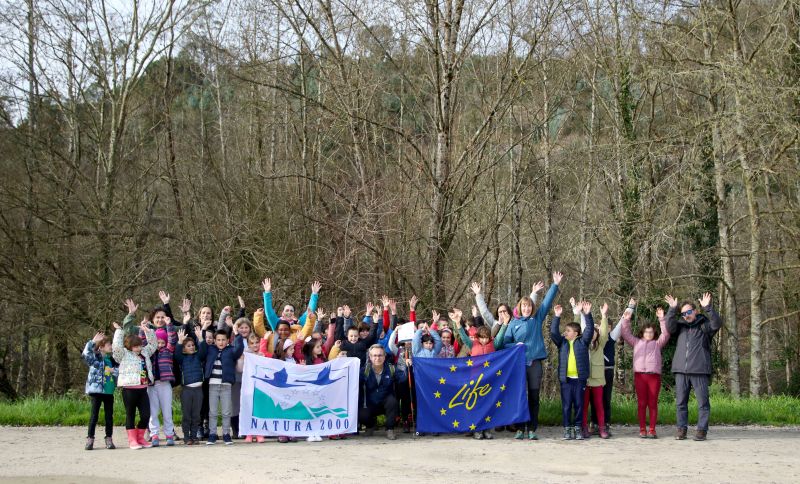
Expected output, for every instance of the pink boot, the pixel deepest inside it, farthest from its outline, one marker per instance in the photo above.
(248, 439)
(260, 439)
(140, 438)
(133, 441)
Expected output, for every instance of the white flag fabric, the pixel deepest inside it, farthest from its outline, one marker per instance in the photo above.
(291, 400)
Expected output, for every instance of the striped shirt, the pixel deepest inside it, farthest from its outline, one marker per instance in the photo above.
(216, 373)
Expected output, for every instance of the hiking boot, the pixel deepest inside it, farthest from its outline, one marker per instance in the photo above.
(568, 435)
(227, 439)
(110, 444)
(532, 435)
(519, 435)
(700, 435)
(680, 434)
(578, 433)
(652, 434)
(390, 434)
(89, 443)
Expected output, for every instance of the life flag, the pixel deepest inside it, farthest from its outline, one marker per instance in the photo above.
(280, 398)
(471, 394)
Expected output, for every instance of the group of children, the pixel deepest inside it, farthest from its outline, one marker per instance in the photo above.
(205, 358)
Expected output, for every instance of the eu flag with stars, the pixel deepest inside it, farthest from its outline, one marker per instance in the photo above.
(471, 394)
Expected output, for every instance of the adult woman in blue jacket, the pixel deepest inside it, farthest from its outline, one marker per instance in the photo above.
(527, 329)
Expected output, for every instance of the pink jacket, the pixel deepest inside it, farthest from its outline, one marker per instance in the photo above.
(646, 354)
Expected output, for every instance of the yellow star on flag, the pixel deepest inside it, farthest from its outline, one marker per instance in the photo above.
(502, 388)
(472, 427)
(441, 381)
(469, 362)
(498, 404)
(499, 372)
(488, 419)
(443, 412)
(453, 368)
(437, 395)
(486, 364)
(455, 424)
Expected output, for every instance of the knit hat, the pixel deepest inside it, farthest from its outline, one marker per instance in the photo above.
(287, 344)
(161, 334)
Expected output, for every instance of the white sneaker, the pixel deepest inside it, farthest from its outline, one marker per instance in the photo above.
(314, 438)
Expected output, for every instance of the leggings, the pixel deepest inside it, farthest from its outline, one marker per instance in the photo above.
(107, 401)
(607, 389)
(648, 386)
(136, 398)
(596, 394)
(533, 376)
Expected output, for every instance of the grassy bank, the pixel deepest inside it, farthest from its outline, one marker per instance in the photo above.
(779, 411)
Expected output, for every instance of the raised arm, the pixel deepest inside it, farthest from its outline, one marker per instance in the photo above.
(481, 303)
(313, 301)
(464, 337)
(672, 314)
(587, 335)
(117, 348)
(269, 310)
(547, 303)
(416, 342)
(663, 338)
(714, 320)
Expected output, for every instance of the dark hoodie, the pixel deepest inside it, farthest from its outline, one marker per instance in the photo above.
(693, 340)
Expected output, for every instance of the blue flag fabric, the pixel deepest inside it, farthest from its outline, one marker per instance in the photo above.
(471, 394)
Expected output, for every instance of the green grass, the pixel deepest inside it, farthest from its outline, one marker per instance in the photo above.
(777, 411)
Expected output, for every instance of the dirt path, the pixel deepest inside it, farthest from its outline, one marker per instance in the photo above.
(732, 454)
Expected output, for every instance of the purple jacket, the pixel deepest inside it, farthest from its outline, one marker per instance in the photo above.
(646, 353)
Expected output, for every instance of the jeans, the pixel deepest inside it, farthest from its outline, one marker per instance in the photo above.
(219, 396)
(107, 401)
(160, 395)
(684, 382)
(572, 399)
(136, 399)
(191, 404)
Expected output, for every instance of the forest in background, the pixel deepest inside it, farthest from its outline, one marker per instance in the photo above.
(642, 147)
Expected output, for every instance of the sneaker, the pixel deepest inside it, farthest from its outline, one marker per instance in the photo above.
(488, 435)
(700, 435)
(585, 433)
(477, 436)
(608, 430)
(227, 439)
(578, 433)
(680, 434)
(89, 443)
(314, 438)
(283, 440)
(567, 434)
(170, 441)
(188, 442)
(532, 435)
(212, 439)
(652, 434)
(519, 435)
(390, 434)
(147, 434)
(643, 434)
(604, 434)
(110, 444)
(155, 441)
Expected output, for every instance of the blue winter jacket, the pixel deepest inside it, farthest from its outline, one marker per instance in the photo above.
(419, 351)
(191, 365)
(529, 330)
(97, 367)
(580, 346)
(230, 354)
(374, 392)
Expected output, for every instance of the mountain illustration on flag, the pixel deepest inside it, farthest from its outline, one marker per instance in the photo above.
(265, 407)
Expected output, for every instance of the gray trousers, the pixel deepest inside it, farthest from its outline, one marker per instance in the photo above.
(191, 404)
(219, 396)
(160, 395)
(684, 382)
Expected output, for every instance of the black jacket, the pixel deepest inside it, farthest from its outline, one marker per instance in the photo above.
(693, 341)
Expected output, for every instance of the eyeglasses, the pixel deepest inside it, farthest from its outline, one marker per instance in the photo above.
(687, 313)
